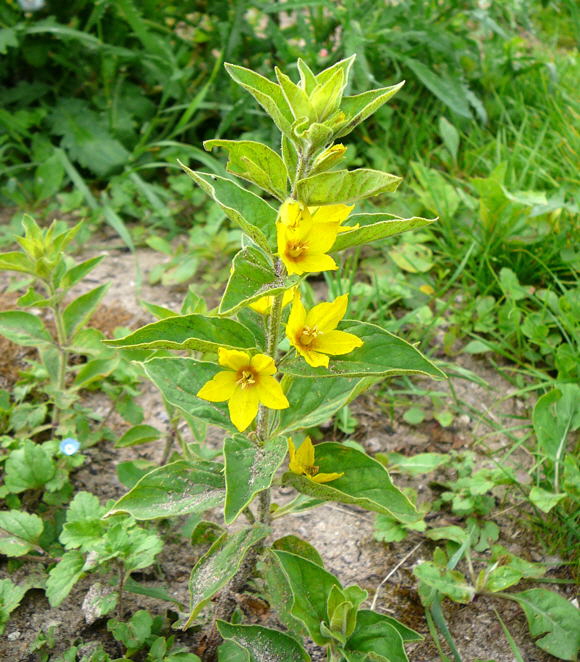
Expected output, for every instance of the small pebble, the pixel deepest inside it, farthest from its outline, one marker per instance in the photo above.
(14, 635)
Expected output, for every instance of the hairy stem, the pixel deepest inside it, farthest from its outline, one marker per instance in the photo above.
(63, 364)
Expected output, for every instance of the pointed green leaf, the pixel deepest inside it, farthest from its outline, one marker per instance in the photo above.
(451, 583)
(296, 545)
(326, 96)
(315, 401)
(310, 586)
(256, 163)
(267, 94)
(179, 379)
(138, 434)
(357, 108)
(64, 576)
(19, 532)
(551, 615)
(24, 328)
(252, 277)
(307, 78)
(556, 414)
(188, 332)
(295, 96)
(79, 311)
(10, 596)
(254, 216)
(178, 488)
(219, 564)
(447, 88)
(249, 469)
(375, 633)
(365, 482)
(343, 66)
(382, 355)
(375, 227)
(16, 261)
(79, 271)
(345, 186)
(263, 644)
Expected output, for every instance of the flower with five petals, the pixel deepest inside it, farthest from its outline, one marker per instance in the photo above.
(314, 333)
(247, 383)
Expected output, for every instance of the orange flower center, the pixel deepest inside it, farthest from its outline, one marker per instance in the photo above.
(308, 334)
(295, 249)
(245, 378)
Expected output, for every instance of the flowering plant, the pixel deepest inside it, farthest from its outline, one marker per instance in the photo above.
(303, 219)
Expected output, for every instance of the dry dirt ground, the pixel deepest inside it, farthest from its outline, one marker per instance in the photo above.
(342, 534)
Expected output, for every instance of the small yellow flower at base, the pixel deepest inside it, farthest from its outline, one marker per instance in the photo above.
(314, 334)
(264, 304)
(302, 462)
(247, 383)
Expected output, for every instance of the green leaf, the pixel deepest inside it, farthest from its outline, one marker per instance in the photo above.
(64, 576)
(376, 226)
(357, 108)
(448, 582)
(79, 311)
(375, 633)
(28, 468)
(365, 483)
(545, 500)
(252, 277)
(296, 545)
(249, 469)
(10, 596)
(16, 261)
(267, 94)
(255, 162)
(48, 177)
(454, 533)
(252, 214)
(382, 355)
(310, 586)
(95, 370)
(446, 88)
(138, 434)
(501, 578)
(24, 328)
(263, 644)
(553, 616)
(417, 464)
(179, 379)
(296, 97)
(314, 401)
(219, 564)
(556, 414)
(19, 532)
(194, 331)
(345, 186)
(79, 271)
(175, 489)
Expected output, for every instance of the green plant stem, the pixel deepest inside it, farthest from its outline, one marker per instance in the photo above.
(61, 344)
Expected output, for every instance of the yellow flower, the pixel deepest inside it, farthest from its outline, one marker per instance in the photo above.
(247, 383)
(302, 243)
(293, 214)
(313, 334)
(264, 304)
(302, 462)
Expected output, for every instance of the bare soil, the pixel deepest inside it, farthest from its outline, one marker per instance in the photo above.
(342, 534)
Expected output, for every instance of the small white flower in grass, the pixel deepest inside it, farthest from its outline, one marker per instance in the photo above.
(69, 446)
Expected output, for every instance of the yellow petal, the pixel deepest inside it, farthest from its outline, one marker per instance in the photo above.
(315, 359)
(293, 464)
(330, 213)
(348, 228)
(289, 295)
(305, 454)
(263, 364)
(336, 342)
(321, 237)
(243, 406)
(296, 320)
(293, 213)
(263, 305)
(270, 393)
(233, 358)
(325, 316)
(219, 388)
(310, 263)
(325, 478)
